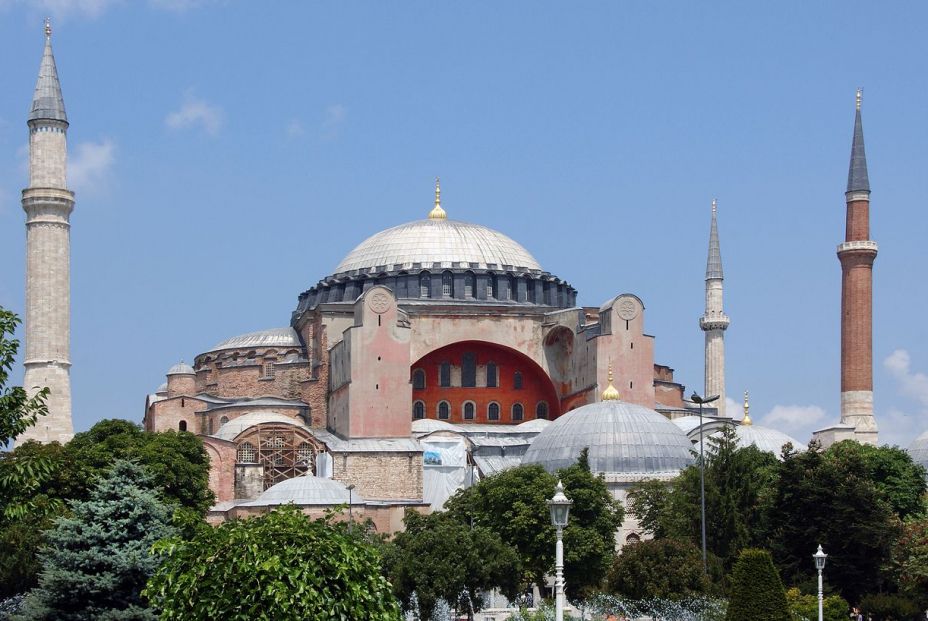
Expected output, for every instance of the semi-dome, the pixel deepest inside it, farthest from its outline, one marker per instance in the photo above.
(307, 490)
(232, 429)
(622, 438)
(449, 243)
(181, 368)
(918, 450)
(273, 337)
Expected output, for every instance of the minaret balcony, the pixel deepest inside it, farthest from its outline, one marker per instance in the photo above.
(715, 321)
(864, 245)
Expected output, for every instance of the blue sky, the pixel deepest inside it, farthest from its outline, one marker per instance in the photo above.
(226, 155)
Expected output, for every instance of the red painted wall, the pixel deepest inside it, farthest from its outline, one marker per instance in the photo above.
(536, 386)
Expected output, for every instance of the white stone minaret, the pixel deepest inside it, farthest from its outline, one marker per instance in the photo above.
(48, 204)
(714, 321)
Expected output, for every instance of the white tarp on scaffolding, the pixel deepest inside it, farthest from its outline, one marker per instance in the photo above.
(444, 469)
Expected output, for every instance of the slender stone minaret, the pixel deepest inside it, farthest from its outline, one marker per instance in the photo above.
(48, 204)
(856, 255)
(714, 321)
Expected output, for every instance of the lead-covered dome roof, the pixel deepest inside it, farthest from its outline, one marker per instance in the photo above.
(764, 439)
(272, 337)
(622, 438)
(918, 450)
(449, 243)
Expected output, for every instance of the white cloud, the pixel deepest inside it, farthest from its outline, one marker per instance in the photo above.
(196, 112)
(90, 166)
(732, 408)
(177, 6)
(913, 384)
(62, 9)
(295, 128)
(333, 120)
(796, 420)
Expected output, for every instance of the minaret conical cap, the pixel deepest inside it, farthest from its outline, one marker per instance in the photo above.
(47, 103)
(857, 178)
(714, 262)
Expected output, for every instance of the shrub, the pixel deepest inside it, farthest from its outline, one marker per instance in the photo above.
(886, 607)
(756, 590)
(805, 607)
(658, 568)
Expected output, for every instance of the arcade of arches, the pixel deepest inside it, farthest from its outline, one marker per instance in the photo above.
(478, 382)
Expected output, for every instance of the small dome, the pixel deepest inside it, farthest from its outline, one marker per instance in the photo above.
(274, 337)
(162, 388)
(764, 438)
(918, 450)
(307, 490)
(236, 426)
(436, 240)
(623, 438)
(428, 425)
(181, 368)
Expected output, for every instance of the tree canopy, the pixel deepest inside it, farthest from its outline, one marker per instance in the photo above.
(281, 565)
(18, 410)
(757, 592)
(668, 568)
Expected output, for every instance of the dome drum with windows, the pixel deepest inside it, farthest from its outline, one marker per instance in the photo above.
(442, 260)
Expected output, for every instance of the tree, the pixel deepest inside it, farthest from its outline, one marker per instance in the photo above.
(909, 563)
(437, 557)
(176, 461)
(834, 503)
(756, 590)
(281, 565)
(18, 411)
(805, 607)
(512, 504)
(96, 563)
(668, 568)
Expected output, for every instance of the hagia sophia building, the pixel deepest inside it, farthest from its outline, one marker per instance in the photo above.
(436, 353)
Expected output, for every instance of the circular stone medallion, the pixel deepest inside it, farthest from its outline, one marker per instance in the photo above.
(627, 309)
(379, 302)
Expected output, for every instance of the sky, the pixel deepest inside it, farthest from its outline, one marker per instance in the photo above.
(226, 155)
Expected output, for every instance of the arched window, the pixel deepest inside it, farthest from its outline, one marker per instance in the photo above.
(444, 410)
(469, 370)
(418, 410)
(541, 410)
(418, 379)
(518, 412)
(491, 375)
(493, 411)
(182, 425)
(223, 420)
(425, 285)
(469, 410)
(492, 287)
(632, 538)
(305, 454)
(444, 375)
(469, 286)
(517, 380)
(512, 290)
(246, 453)
(530, 290)
(447, 284)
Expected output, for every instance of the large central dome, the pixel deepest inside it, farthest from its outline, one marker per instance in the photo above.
(448, 243)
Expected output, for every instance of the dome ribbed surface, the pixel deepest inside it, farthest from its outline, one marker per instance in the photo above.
(181, 368)
(919, 449)
(447, 242)
(765, 439)
(273, 337)
(307, 490)
(623, 438)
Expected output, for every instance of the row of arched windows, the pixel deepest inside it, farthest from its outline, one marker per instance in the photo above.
(468, 375)
(469, 410)
(498, 287)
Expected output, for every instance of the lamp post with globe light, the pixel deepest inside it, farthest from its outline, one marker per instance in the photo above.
(560, 508)
(820, 565)
(702, 476)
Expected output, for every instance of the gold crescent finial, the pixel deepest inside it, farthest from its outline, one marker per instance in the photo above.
(860, 95)
(715, 204)
(610, 394)
(437, 212)
(747, 408)
(48, 27)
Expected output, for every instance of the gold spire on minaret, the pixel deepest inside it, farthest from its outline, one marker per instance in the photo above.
(610, 394)
(860, 95)
(715, 205)
(747, 408)
(437, 212)
(48, 27)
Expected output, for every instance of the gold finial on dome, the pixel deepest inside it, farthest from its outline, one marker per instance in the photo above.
(610, 394)
(747, 408)
(437, 212)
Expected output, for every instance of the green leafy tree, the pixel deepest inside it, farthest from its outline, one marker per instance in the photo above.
(890, 607)
(437, 557)
(805, 607)
(756, 590)
(96, 563)
(834, 503)
(668, 568)
(18, 411)
(899, 480)
(282, 565)
(512, 504)
(176, 461)
(909, 563)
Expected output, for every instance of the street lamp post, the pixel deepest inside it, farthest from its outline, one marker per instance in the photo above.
(560, 508)
(702, 477)
(820, 565)
(350, 503)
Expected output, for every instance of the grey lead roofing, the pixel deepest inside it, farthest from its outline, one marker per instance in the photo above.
(918, 450)
(47, 103)
(857, 178)
(714, 262)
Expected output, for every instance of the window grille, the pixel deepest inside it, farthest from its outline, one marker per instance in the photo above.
(444, 410)
(447, 284)
(469, 410)
(493, 411)
(418, 379)
(268, 370)
(517, 380)
(425, 285)
(541, 410)
(246, 453)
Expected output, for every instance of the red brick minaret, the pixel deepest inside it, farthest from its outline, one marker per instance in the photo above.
(856, 255)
